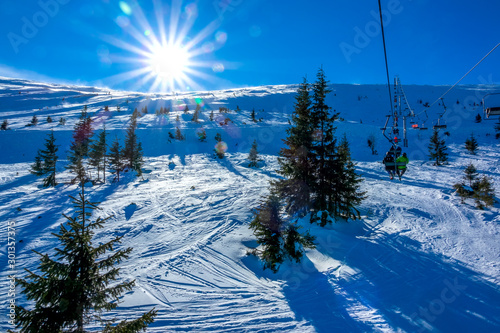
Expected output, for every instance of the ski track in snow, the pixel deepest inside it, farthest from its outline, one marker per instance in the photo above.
(417, 261)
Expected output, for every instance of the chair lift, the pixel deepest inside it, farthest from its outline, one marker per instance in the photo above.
(492, 110)
(439, 125)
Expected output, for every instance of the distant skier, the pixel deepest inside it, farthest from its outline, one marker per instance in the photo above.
(401, 163)
(390, 166)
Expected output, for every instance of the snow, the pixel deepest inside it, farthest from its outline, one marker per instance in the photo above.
(418, 260)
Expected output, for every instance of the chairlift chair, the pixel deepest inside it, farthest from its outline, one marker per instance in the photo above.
(492, 110)
(438, 126)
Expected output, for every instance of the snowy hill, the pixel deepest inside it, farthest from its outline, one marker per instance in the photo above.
(419, 260)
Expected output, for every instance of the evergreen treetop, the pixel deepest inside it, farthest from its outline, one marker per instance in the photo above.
(437, 149)
(45, 161)
(471, 144)
(253, 156)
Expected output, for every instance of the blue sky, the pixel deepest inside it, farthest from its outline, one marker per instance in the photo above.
(237, 43)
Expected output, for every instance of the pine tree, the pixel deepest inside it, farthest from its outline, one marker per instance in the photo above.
(484, 193)
(324, 151)
(202, 134)
(49, 119)
(116, 158)
(267, 226)
(178, 134)
(481, 190)
(138, 160)
(136, 114)
(348, 194)
(34, 120)
(253, 156)
(437, 149)
(295, 159)
(470, 174)
(278, 240)
(97, 154)
(196, 114)
(132, 151)
(78, 283)
(252, 116)
(130, 146)
(186, 109)
(211, 117)
(471, 144)
(62, 121)
(79, 147)
(478, 118)
(220, 149)
(372, 143)
(4, 125)
(45, 161)
(37, 168)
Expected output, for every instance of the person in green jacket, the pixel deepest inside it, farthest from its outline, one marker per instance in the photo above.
(401, 162)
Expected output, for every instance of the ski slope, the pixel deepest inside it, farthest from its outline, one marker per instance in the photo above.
(418, 261)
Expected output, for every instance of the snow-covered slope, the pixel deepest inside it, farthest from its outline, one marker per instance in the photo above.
(417, 261)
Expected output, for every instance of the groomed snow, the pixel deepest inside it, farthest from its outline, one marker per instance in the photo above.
(419, 260)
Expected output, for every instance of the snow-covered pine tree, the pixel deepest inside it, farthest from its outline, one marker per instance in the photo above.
(253, 156)
(97, 154)
(295, 160)
(34, 120)
(471, 144)
(116, 158)
(62, 121)
(79, 283)
(324, 151)
(4, 125)
(49, 119)
(211, 117)
(45, 161)
(437, 149)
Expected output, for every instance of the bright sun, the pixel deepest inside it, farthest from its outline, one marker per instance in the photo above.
(169, 62)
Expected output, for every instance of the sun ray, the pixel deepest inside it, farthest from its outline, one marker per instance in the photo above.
(166, 57)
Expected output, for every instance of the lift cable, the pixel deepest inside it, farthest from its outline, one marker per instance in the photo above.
(470, 70)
